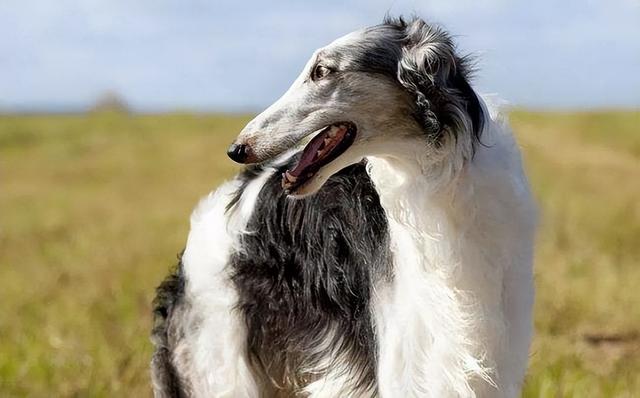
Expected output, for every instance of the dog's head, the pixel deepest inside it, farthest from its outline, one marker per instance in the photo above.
(370, 93)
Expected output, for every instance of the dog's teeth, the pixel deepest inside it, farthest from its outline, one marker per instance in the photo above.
(319, 153)
(327, 141)
(290, 178)
(332, 133)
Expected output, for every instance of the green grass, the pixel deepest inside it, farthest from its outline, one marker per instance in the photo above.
(94, 208)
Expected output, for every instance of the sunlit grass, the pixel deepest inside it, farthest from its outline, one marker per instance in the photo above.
(94, 208)
(585, 170)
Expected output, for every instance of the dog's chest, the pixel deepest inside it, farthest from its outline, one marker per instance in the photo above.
(304, 278)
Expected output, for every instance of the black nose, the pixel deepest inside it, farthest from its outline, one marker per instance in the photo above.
(238, 153)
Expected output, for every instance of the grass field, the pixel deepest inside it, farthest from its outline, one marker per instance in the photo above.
(94, 208)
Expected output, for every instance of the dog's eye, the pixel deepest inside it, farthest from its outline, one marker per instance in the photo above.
(319, 72)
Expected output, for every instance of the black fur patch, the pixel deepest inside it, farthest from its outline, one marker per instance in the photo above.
(305, 276)
(169, 295)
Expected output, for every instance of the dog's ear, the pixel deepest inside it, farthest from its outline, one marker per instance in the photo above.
(437, 80)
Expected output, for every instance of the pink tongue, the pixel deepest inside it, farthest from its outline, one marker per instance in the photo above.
(309, 154)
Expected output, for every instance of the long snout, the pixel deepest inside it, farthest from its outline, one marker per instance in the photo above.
(258, 141)
(266, 136)
(276, 130)
(281, 126)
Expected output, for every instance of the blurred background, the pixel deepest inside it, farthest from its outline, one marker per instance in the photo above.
(115, 116)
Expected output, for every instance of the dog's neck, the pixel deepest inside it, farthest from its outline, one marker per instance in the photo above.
(424, 195)
(411, 174)
(430, 210)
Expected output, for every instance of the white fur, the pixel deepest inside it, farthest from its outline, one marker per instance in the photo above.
(456, 321)
(339, 381)
(215, 346)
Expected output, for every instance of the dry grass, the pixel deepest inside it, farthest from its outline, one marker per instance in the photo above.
(585, 170)
(94, 208)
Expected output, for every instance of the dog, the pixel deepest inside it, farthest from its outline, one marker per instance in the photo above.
(392, 256)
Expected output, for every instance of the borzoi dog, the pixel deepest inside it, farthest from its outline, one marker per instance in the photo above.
(391, 257)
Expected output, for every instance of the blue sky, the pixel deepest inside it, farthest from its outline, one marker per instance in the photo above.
(241, 55)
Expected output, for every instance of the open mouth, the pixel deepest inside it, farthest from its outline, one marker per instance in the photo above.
(325, 147)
